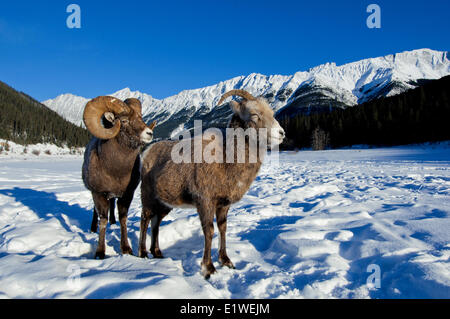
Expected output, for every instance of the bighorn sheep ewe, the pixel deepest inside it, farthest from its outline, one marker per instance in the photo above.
(111, 160)
(209, 187)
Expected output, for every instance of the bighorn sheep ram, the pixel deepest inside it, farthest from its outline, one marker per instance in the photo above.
(111, 160)
(209, 187)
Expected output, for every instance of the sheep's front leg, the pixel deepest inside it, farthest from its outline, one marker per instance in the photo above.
(206, 212)
(155, 212)
(123, 205)
(221, 219)
(101, 206)
(160, 212)
(154, 248)
(145, 220)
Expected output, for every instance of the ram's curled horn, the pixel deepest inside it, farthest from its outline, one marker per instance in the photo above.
(152, 126)
(93, 113)
(241, 93)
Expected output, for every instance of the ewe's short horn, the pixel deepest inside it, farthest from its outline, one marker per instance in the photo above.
(241, 93)
(94, 111)
(152, 126)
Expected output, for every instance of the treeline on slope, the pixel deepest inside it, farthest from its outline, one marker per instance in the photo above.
(415, 116)
(24, 120)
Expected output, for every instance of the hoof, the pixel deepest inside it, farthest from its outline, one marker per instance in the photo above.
(143, 254)
(157, 253)
(100, 255)
(208, 270)
(226, 262)
(127, 251)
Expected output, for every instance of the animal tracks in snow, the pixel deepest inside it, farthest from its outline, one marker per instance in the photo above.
(309, 227)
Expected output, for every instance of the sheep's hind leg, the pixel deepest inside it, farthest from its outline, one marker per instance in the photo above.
(123, 205)
(221, 219)
(101, 206)
(94, 224)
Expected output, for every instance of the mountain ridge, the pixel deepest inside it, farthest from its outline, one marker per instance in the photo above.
(324, 86)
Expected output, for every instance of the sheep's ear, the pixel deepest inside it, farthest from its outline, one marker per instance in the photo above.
(240, 110)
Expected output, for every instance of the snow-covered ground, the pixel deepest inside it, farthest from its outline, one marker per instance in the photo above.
(310, 227)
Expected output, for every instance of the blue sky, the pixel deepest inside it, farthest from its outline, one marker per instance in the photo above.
(164, 47)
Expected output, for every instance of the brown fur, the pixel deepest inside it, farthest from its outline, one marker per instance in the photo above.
(111, 170)
(211, 188)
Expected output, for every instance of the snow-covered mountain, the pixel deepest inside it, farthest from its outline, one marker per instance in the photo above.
(325, 86)
(71, 106)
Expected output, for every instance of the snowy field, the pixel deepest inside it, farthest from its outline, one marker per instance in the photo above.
(308, 228)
